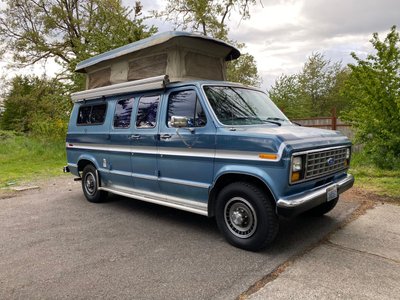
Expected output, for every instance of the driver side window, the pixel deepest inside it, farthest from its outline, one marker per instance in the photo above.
(186, 104)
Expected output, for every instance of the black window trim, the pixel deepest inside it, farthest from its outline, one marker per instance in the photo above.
(194, 113)
(94, 104)
(158, 109)
(116, 103)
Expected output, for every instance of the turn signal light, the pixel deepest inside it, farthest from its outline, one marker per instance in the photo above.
(295, 176)
(346, 163)
(267, 156)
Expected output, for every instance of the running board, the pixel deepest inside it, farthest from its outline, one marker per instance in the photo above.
(197, 210)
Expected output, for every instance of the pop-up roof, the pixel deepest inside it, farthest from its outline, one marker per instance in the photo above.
(181, 55)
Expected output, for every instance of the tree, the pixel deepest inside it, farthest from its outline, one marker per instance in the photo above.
(67, 30)
(209, 18)
(320, 81)
(203, 16)
(374, 86)
(244, 69)
(314, 91)
(37, 105)
(287, 95)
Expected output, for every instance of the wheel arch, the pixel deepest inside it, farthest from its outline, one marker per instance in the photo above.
(84, 161)
(227, 178)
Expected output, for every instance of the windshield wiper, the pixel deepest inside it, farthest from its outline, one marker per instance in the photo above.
(247, 119)
(276, 119)
(269, 121)
(256, 119)
(281, 119)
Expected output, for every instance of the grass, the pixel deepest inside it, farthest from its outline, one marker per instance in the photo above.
(369, 177)
(24, 158)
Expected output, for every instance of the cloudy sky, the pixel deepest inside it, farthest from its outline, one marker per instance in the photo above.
(281, 34)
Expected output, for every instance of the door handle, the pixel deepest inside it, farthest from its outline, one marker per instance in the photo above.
(165, 136)
(135, 136)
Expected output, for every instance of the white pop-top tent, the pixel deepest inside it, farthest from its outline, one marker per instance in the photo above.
(181, 55)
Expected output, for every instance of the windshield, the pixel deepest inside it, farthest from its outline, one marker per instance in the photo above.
(241, 106)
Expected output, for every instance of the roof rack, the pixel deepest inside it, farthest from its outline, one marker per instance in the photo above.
(157, 82)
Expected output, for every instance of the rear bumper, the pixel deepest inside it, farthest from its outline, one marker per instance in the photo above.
(71, 168)
(294, 205)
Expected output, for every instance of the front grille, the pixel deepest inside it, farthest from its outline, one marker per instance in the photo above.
(318, 165)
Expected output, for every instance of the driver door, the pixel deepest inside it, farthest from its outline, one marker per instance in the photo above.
(186, 163)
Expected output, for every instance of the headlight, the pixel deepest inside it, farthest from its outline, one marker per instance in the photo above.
(297, 164)
(347, 153)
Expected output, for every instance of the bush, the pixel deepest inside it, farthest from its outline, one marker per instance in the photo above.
(37, 105)
(380, 159)
(374, 86)
(6, 135)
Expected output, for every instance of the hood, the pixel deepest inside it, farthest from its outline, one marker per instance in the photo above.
(286, 137)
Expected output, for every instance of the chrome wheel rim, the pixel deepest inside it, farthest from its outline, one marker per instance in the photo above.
(240, 217)
(90, 183)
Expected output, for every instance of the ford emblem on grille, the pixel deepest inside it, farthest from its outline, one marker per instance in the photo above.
(330, 161)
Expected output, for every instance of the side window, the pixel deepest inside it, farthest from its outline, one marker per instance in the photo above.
(84, 114)
(92, 114)
(98, 114)
(123, 113)
(147, 112)
(186, 104)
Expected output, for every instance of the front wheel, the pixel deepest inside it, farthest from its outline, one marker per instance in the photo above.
(245, 216)
(90, 186)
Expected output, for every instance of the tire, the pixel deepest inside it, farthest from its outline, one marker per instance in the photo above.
(246, 217)
(89, 185)
(323, 208)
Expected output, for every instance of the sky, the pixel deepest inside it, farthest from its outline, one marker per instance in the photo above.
(282, 34)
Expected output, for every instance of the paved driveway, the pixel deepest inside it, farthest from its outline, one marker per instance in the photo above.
(56, 245)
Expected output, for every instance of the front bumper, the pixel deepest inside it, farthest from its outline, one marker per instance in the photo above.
(294, 205)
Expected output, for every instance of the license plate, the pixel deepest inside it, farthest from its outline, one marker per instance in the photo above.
(331, 193)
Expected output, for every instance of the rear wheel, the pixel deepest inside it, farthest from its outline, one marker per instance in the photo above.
(90, 186)
(245, 216)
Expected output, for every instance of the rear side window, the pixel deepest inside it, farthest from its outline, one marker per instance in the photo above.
(147, 112)
(123, 113)
(92, 114)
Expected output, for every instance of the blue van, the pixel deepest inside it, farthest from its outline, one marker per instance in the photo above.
(199, 144)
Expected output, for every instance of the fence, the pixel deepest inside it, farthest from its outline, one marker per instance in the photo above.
(332, 123)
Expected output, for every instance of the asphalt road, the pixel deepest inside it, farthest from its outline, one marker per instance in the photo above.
(56, 245)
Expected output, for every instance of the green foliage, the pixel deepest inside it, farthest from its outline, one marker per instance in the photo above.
(69, 31)
(244, 69)
(23, 157)
(209, 18)
(314, 91)
(374, 86)
(371, 177)
(287, 95)
(37, 105)
(9, 135)
(203, 16)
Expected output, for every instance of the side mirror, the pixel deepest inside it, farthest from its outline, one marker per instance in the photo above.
(179, 122)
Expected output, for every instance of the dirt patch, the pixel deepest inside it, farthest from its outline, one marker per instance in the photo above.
(359, 194)
(7, 196)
